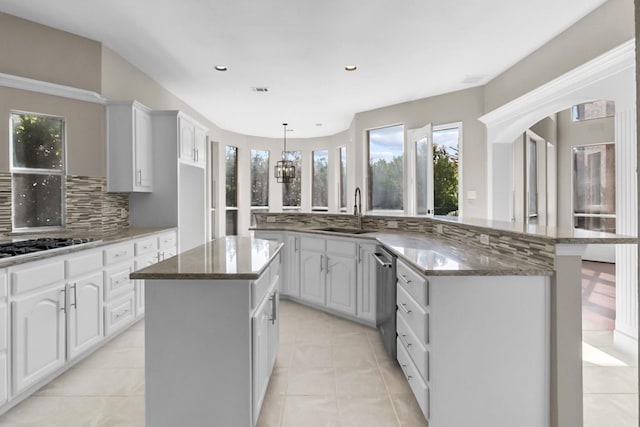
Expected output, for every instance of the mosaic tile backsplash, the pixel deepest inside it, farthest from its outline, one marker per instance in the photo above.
(530, 249)
(88, 205)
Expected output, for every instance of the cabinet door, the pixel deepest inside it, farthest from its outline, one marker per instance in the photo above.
(312, 276)
(38, 330)
(186, 140)
(341, 283)
(261, 369)
(84, 325)
(143, 153)
(200, 146)
(291, 284)
(366, 289)
(274, 329)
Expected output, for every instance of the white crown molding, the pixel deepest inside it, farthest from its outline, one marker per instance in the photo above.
(47, 88)
(599, 68)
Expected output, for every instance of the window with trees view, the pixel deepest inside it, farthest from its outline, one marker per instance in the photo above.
(37, 170)
(594, 187)
(343, 179)
(291, 192)
(445, 170)
(259, 170)
(319, 190)
(386, 168)
(231, 182)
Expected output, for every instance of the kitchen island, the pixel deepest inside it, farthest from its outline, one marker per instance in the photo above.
(211, 333)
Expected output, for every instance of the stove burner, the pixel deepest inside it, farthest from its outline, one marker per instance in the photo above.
(24, 247)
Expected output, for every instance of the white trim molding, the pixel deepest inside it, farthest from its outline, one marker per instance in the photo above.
(510, 115)
(47, 88)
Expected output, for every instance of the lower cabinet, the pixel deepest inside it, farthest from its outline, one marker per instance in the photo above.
(366, 283)
(84, 314)
(312, 278)
(265, 336)
(38, 329)
(291, 285)
(341, 283)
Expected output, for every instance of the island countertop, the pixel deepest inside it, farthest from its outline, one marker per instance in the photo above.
(226, 258)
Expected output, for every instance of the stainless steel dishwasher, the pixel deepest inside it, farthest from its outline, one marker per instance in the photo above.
(386, 298)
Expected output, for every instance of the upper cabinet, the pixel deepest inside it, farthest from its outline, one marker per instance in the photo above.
(130, 155)
(193, 142)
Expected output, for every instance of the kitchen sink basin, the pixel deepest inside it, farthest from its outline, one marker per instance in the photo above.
(344, 230)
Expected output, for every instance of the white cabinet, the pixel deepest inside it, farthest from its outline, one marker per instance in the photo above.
(291, 285)
(84, 314)
(366, 283)
(193, 142)
(312, 277)
(38, 325)
(130, 151)
(4, 339)
(341, 283)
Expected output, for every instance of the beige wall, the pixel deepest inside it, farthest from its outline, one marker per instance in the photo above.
(463, 106)
(605, 28)
(572, 134)
(85, 126)
(43, 53)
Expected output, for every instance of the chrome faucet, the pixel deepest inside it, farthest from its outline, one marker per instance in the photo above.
(357, 207)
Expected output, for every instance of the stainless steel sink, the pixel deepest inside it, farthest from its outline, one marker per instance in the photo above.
(343, 230)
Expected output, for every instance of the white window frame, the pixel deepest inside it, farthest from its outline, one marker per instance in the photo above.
(35, 171)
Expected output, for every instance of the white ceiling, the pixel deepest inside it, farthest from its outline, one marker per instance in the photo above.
(404, 50)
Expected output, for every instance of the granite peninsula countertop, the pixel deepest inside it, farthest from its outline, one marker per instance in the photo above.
(100, 239)
(437, 257)
(226, 258)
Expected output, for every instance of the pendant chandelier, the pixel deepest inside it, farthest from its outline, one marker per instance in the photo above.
(285, 170)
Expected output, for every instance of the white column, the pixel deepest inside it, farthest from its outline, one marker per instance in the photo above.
(626, 331)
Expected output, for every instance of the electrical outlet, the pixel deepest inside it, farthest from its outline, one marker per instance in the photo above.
(439, 228)
(392, 224)
(123, 213)
(271, 219)
(484, 239)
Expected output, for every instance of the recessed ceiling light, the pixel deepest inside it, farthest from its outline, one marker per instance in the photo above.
(350, 68)
(260, 89)
(318, 124)
(221, 67)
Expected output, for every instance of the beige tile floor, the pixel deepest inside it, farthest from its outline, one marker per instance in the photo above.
(329, 372)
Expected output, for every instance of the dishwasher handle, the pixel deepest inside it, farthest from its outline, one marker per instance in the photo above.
(380, 260)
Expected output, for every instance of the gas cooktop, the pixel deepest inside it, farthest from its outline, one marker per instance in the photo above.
(33, 246)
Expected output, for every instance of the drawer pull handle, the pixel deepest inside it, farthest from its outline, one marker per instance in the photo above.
(404, 279)
(119, 254)
(408, 377)
(403, 339)
(404, 308)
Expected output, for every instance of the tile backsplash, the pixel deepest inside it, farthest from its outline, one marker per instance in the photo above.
(88, 205)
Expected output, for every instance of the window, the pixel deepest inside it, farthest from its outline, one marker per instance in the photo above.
(386, 168)
(532, 178)
(319, 190)
(259, 170)
(291, 194)
(594, 187)
(343, 179)
(437, 171)
(37, 170)
(231, 181)
(593, 110)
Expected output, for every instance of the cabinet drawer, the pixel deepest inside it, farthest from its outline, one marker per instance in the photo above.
(117, 281)
(80, 264)
(146, 245)
(118, 253)
(35, 275)
(418, 386)
(167, 240)
(413, 314)
(260, 286)
(414, 347)
(416, 284)
(118, 314)
(312, 244)
(342, 247)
